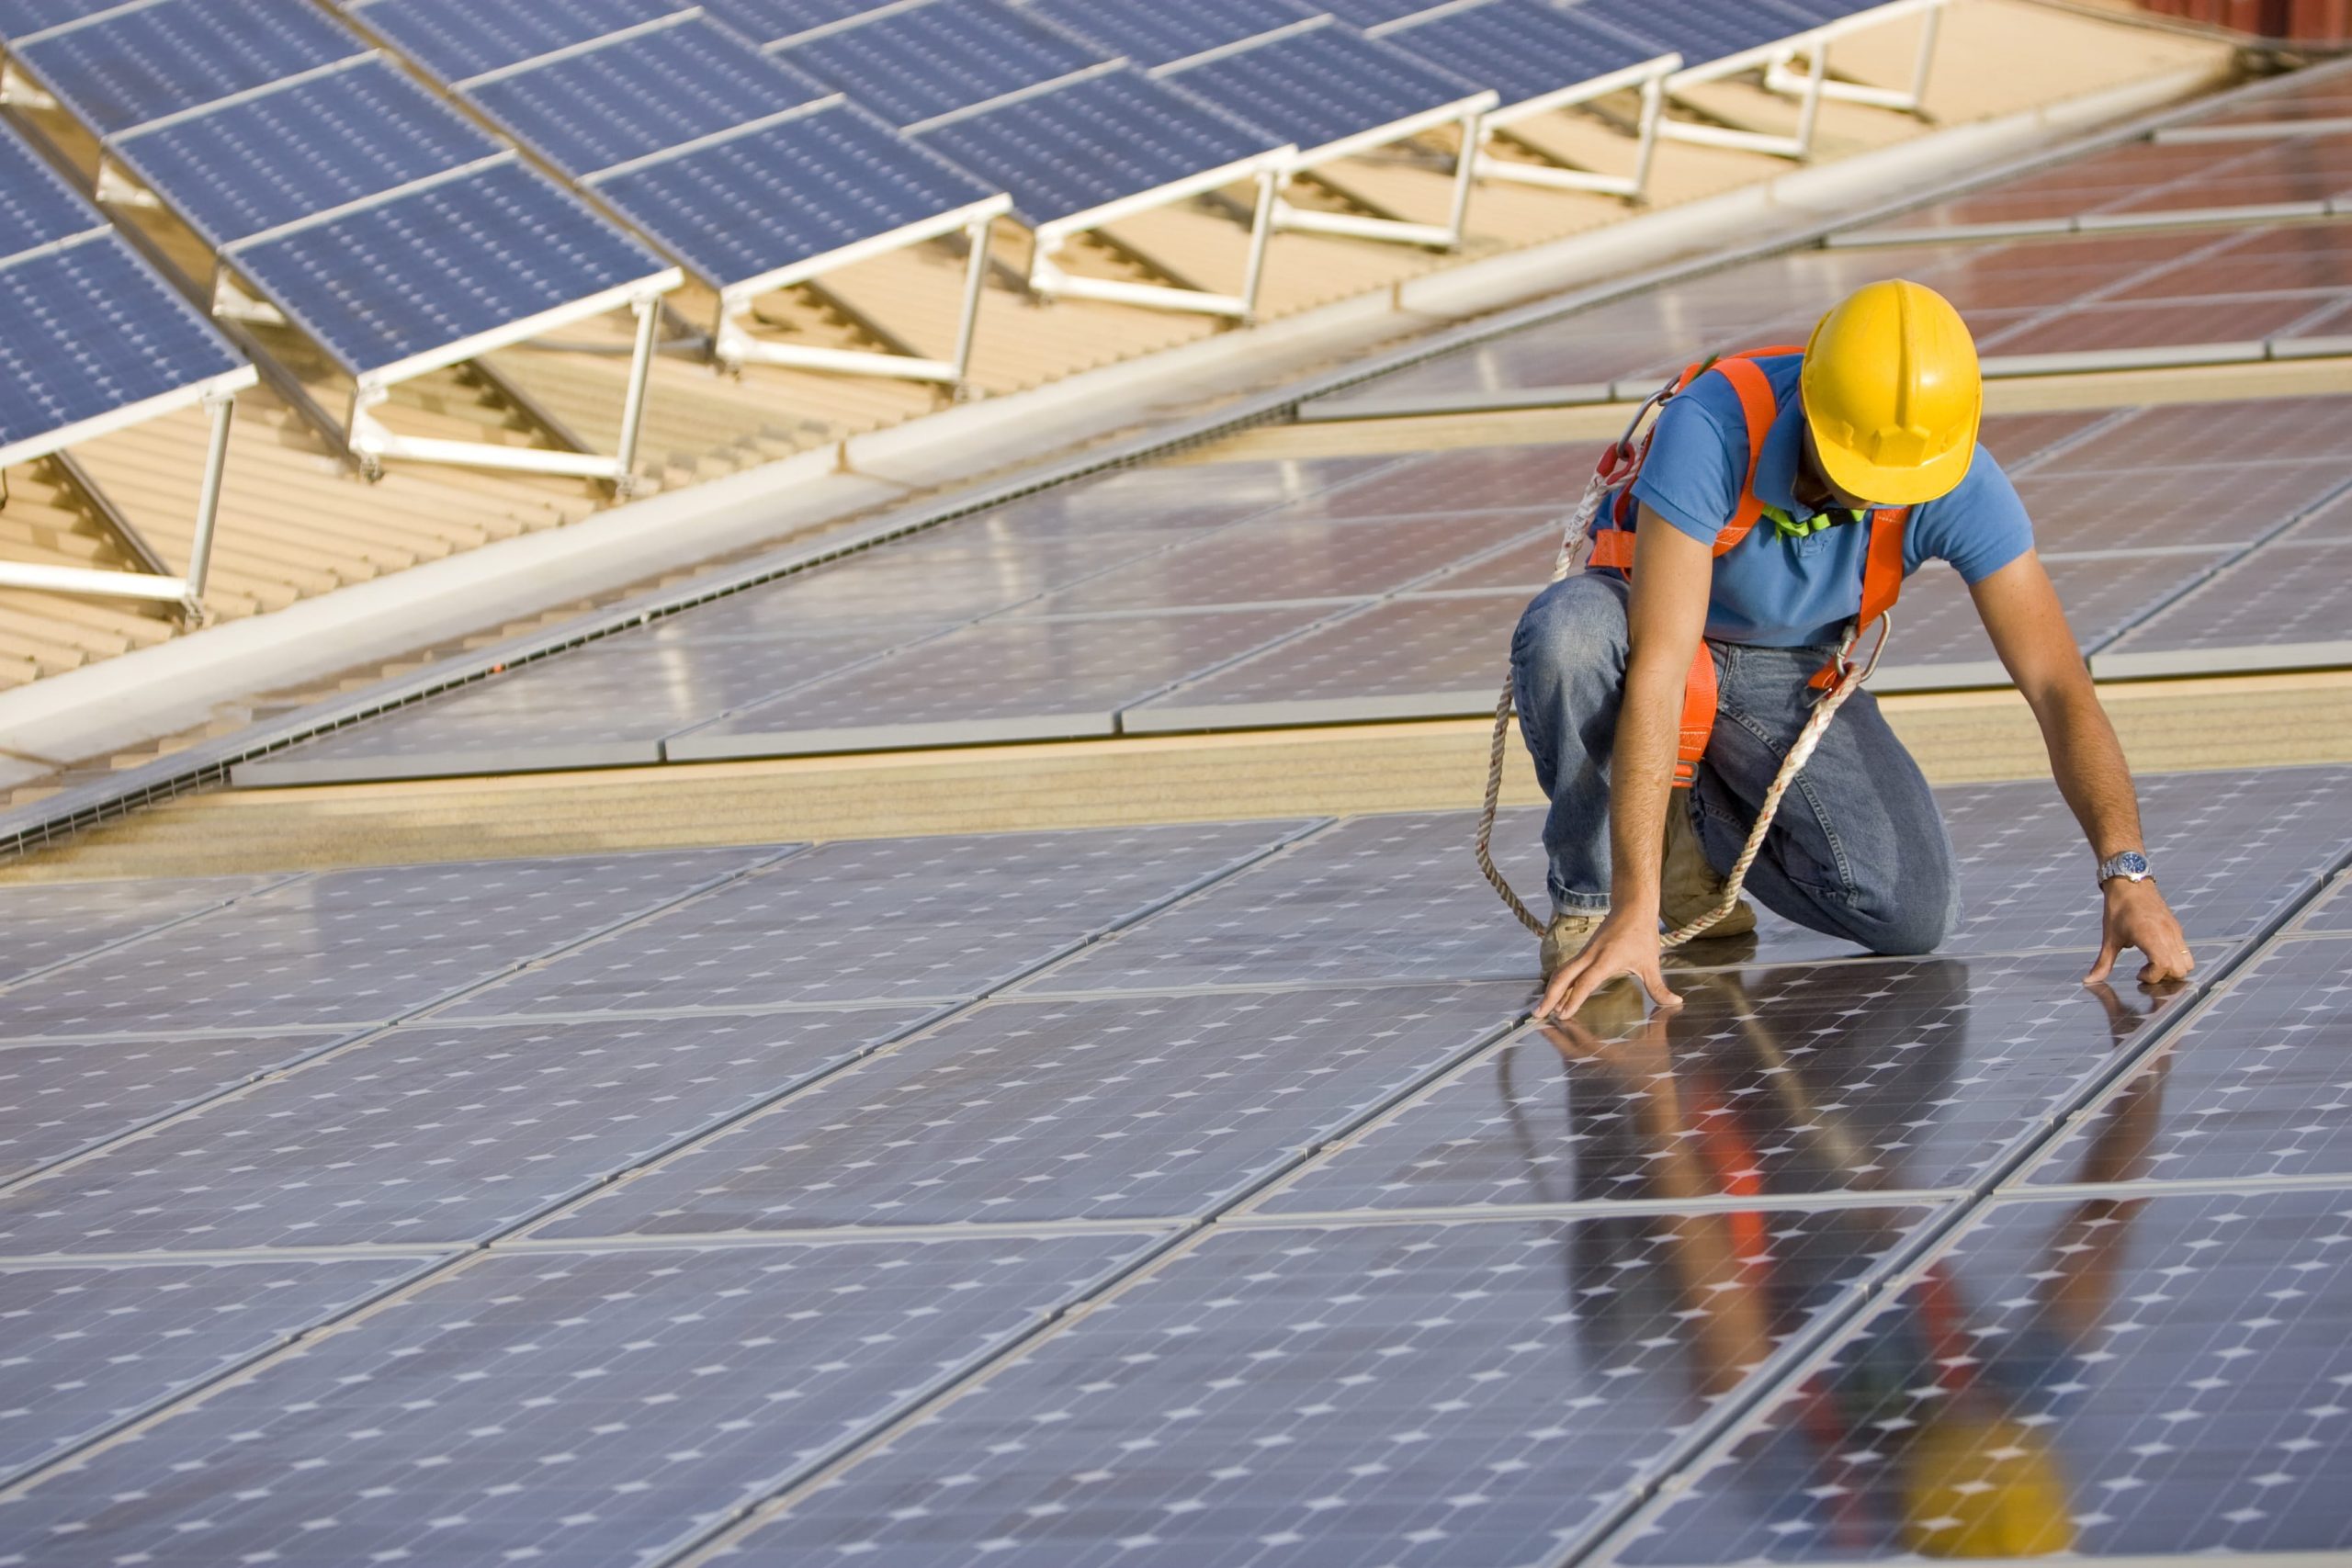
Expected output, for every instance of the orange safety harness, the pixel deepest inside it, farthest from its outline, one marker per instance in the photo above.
(1612, 549)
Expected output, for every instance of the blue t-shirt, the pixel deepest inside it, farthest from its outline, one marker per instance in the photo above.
(1773, 591)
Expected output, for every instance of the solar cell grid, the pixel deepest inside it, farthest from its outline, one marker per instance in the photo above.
(693, 1381)
(893, 920)
(93, 1346)
(2329, 333)
(1702, 31)
(2285, 596)
(2207, 328)
(426, 1135)
(912, 64)
(2331, 523)
(1177, 498)
(2107, 509)
(18, 17)
(767, 22)
(2306, 95)
(304, 148)
(2263, 431)
(2153, 1378)
(746, 207)
(51, 923)
(1404, 1394)
(1521, 568)
(1448, 484)
(1322, 86)
(2080, 183)
(56, 1099)
(88, 330)
(36, 206)
(641, 93)
(444, 264)
(2298, 169)
(1126, 1108)
(131, 66)
(1099, 140)
(1527, 49)
(2331, 912)
(458, 39)
(354, 946)
(2278, 258)
(1916, 1074)
(2255, 1086)
(1939, 635)
(1154, 36)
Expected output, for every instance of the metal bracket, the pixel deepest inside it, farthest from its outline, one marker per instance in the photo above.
(1048, 280)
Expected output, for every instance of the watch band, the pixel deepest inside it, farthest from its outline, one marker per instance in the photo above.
(2131, 865)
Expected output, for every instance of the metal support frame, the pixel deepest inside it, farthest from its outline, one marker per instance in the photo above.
(1648, 78)
(1810, 88)
(1469, 113)
(1048, 280)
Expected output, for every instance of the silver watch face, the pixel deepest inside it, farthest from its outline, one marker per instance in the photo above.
(2130, 864)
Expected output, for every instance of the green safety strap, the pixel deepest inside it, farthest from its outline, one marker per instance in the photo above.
(1790, 528)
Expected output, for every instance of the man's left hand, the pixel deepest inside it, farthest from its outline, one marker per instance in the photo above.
(2137, 916)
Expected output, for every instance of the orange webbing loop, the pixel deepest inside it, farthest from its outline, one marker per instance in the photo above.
(1699, 697)
(1758, 408)
(1882, 584)
(1613, 547)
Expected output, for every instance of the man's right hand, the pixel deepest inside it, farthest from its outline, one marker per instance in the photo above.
(1626, 944)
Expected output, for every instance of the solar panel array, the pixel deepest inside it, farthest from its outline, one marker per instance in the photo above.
(850, 1201)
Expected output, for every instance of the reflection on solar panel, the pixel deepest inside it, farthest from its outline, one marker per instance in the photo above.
(1883, 1077)
(1409, 1394)
(2287, 604)
(748, 170)
(2099, 1378)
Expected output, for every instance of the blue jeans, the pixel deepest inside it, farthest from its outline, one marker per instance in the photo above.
(1858, 849)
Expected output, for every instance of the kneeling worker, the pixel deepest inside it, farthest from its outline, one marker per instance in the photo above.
(1784, 493)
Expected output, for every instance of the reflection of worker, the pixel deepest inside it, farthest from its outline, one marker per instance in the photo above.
(1817, 479)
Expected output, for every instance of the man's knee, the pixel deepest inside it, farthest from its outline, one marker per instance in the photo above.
(1576, 625)
(1921, 914)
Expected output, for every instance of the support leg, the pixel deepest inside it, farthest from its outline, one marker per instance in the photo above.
(640, 371)
(1645, 143)
(1809, 106)
(975, 273)
(1261, 228)
(1466, 171)
(222, 407)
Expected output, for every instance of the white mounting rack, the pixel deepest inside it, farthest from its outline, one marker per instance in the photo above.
(1811, 86)
(1649, 79)
(1048, 280)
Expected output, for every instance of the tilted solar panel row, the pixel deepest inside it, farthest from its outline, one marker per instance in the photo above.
(751, 173)
(342, 196)
(91, 340)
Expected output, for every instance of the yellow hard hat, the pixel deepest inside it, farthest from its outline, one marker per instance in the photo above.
(1892, 393)
(1984, 1488)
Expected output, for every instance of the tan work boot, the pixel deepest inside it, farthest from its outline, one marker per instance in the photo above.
(1565, 937)
(1689, 886)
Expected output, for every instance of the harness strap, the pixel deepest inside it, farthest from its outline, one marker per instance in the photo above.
(1882, 582)
(1759, 408)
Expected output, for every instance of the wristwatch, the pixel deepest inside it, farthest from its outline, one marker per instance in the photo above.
(2130, 864)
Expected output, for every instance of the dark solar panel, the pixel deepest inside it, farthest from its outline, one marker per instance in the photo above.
(748, 205)
(1527, 49)
(458, 39)
(2261, 260)
(18, 17)
(88, 330)
(943, 918)
(2179, 437)
(2284, 596)
(638, 94)
(692, 1382)
(2097, 1381)
(772, 21)
(1404, 1394)
(92, 1346)
(1322, 84)
(51, 923)
(1373, 13)
(2101, 509)
(131, 66)
(2255, 1086)
(2176, 331)
(442, 264)
(427, 1136)
(36, 208)
(1099, 140)
(354, 946)
(1916, 1074)
(1122, 1107)
(2333, 911)
(1153, 36)
(1548, 475)
(1704, 30)
(913, 63)
(318, 144)
(1941, 635)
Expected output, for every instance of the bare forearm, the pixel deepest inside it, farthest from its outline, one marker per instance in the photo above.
(1641, 778)
(2090, 769)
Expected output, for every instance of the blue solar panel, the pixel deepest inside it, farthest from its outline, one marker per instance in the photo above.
(741, 209)
(1703, 30)
(1371, 13)
(1153, 36)
(269, 160)
(911, 65)
(458, 39)
(18, 17)
(642, 93)
(86, 330)
(1094, 141)
(452, 261)
(127, 69)
(773, 21)
(1525, 48)
(1321, 85)
(36, 205)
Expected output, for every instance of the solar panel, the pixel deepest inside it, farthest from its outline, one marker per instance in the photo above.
(139, 64)
(2106, 510)
(2288, 603)
(94, 1346)
(36, 208)
(1173, 500)
(1941, 638)
(458, 39)
(712, 1376)
(2331, 522)
(1527, 49)
(641, 93)
(18, 17)
(427, 1136)
(895, 919)
(1402, 1395)
(2251, 1088)
(306, 148)
(89, 330)
(768, 22)
(52, 923)
(2163, 1379)
(1373, 13)
(2270, 433)
(1702, 31)
(1099, 140)
(2205, 330)
(1324, 85)
(999, 681)
(1153, 36)
(2304, 95)
(910, 64)
(350, 947)
(480, 253)
(1449, 484)
(1912, 1074)
(58, 1099)
(1126, 1108)
(746, 206)
(2331, 912)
